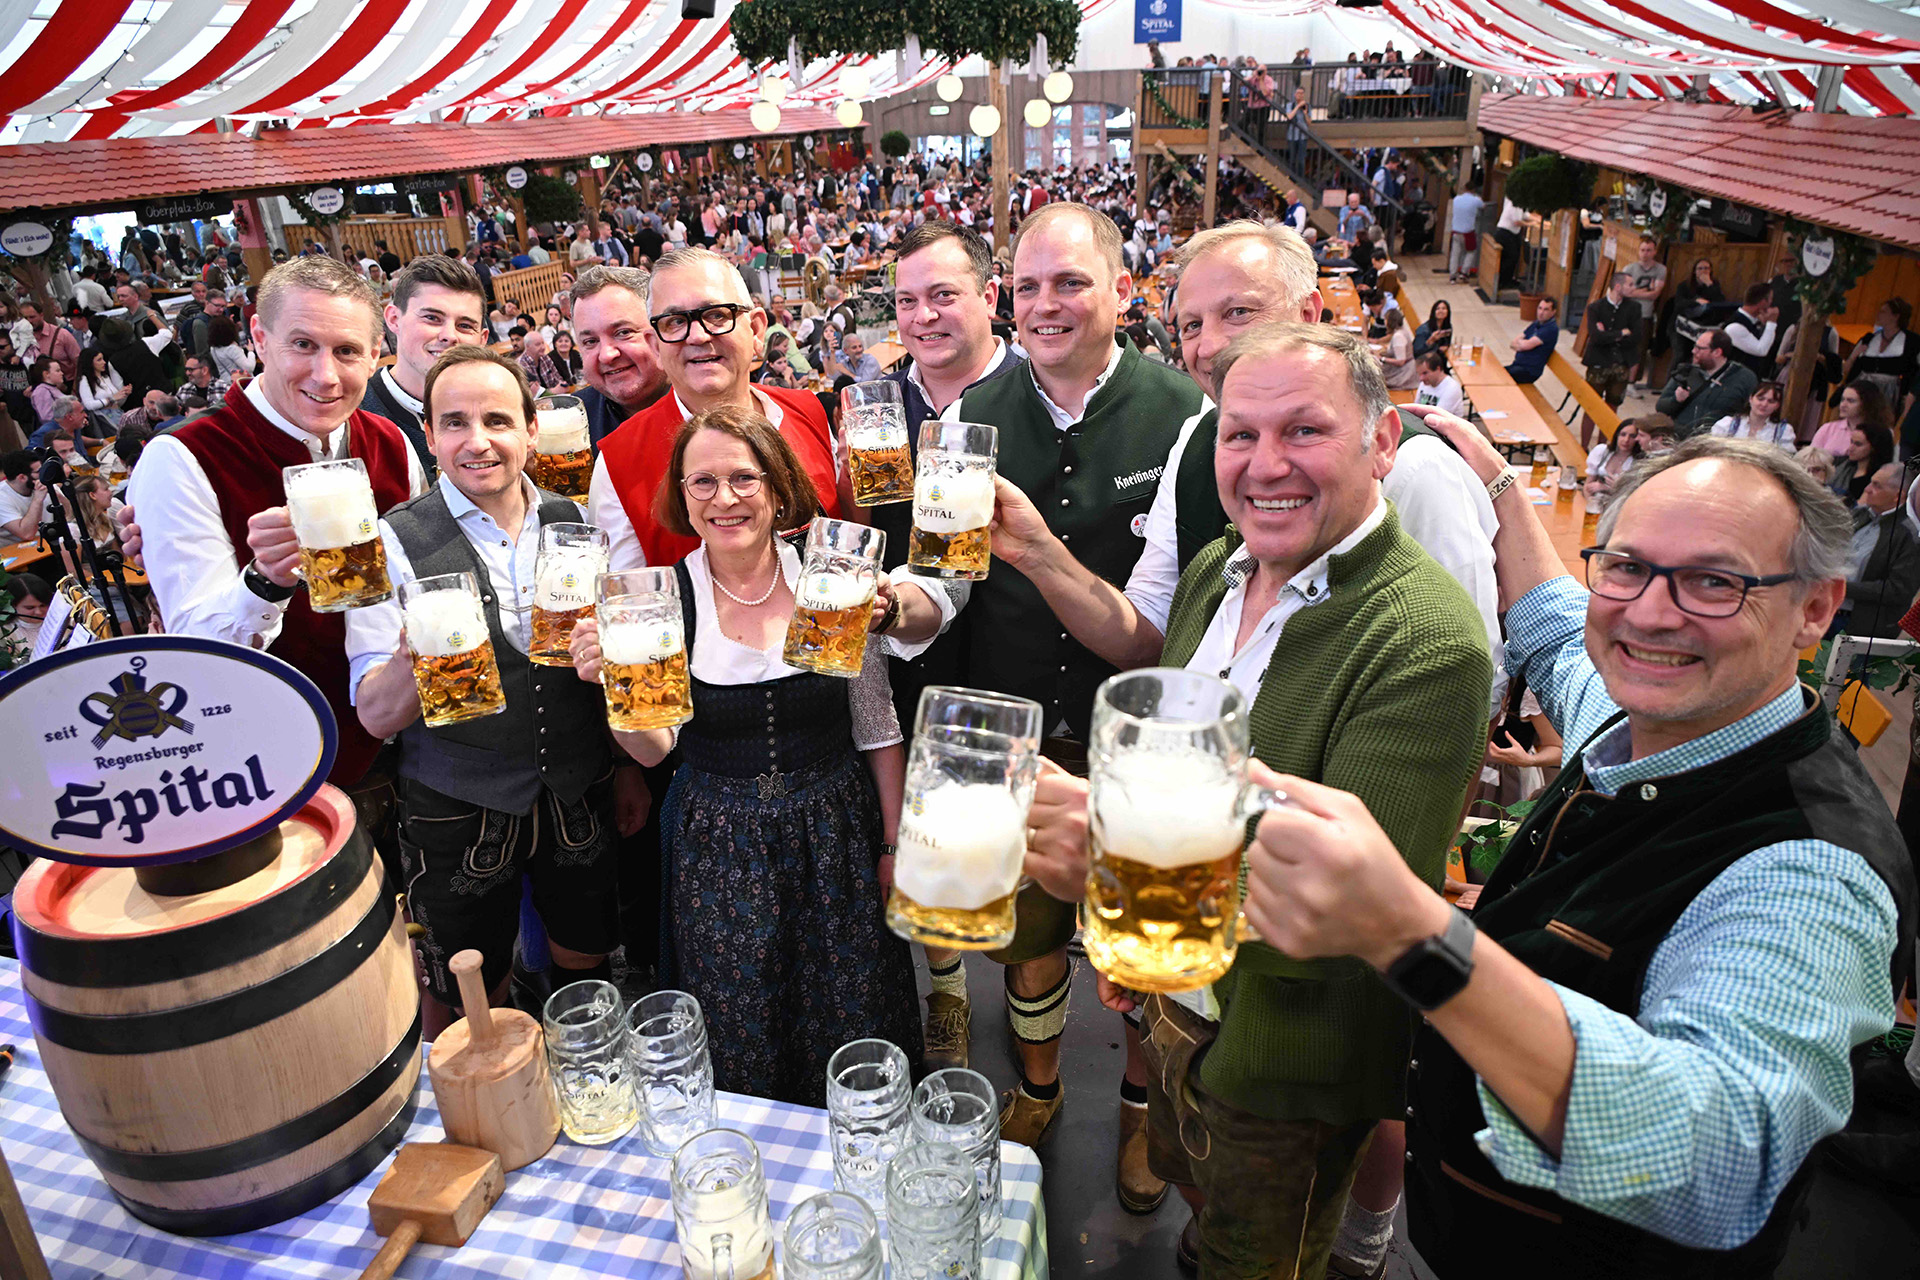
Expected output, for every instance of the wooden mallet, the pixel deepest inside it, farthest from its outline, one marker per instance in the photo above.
(436, 1192)
(490, 1077)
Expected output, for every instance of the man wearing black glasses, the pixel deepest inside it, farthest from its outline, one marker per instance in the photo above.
(1634, 1042)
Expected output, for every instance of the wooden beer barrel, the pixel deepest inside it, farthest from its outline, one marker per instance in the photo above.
(233, 1057)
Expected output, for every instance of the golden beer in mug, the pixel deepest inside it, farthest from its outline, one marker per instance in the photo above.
(1591, 505)
(561, 460)
(572, 558)
(454, 667)
(1569, 486)
(874, 418)
(963, 824)
(643, 651)
(1167, 815)
(338, 528)
(953, 500)
(1542, 460)
(833, 598)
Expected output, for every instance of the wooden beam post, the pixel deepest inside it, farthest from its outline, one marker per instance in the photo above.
(1210, 197)
(1002, 160)
(255, 249)
(1806, 354)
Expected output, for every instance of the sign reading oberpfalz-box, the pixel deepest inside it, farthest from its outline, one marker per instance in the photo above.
(155, 749)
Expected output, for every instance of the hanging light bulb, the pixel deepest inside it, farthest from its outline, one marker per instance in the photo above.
(1058, 87)
(984, 121)
(765, 116)
(849, 114)
(856, 83)
(949, 87)
(774, 89)
(1038, 111)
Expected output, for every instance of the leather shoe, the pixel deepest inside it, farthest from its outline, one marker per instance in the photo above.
(1187, 1251)
(1138, 1189)
(1025, 1118)
(948, 1031)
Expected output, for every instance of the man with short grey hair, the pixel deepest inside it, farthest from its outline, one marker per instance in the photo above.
(1884, 574)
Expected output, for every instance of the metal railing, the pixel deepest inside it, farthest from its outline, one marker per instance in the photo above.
(1296, 150)
(1336, 92)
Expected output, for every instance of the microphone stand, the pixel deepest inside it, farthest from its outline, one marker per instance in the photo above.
(104, 563)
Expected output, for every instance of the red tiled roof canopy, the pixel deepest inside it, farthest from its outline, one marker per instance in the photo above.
(1855, 173)
(112, 171)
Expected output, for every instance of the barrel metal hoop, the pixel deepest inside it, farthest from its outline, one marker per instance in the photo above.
(196, 948)
(269, 1144)
(228, 1015)
(295, 1200)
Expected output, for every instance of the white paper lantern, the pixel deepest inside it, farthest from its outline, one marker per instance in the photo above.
(765, 116)
(1038, 111)
(984, 121)
(855, 83)
(1058, 87)
(949, 87)
(849, 114)
(774, 89)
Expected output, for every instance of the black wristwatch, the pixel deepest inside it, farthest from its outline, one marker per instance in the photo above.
(263, 586)
(1434, 970)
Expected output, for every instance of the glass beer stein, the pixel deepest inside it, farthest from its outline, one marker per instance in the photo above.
(1542, 459)
(963, 825)
(933, 1214)
(833, 1236)
(586, 1031)
(643, 650)
(572, 558)
(833, 598)
(453, 662)
(962, 1107)
(720, 1212)
(672, 1070)
(1167, 817)
(341, 556)
(953, 500)
(561, 460)
(874, 417)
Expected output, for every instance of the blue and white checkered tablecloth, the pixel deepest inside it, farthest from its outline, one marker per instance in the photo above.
(575, 1214)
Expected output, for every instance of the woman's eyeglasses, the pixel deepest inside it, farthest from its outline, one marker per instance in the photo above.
(705, 486)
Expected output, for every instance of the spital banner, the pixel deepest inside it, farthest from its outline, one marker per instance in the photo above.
(1156, 20)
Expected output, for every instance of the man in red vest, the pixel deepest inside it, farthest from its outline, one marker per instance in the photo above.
(220, 549)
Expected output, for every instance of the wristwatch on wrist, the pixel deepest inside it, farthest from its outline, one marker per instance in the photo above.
(263, 586)
(1435, 970)
(1501, 483)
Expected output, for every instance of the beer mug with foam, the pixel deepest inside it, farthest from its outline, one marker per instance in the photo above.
(453, 662)
(719, 1190)
(341, 556)
(833, 600)
(953, 500)
(963, 824)
(643, 650)
(1167, 820)
(561, 460)
(874, 418)
(572, 558)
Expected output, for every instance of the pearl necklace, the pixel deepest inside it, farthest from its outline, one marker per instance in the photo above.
(779, 571)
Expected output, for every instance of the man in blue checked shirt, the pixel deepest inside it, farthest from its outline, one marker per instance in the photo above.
(1637, 1038)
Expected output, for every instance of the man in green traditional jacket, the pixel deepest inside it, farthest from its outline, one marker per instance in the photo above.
(1363, 661)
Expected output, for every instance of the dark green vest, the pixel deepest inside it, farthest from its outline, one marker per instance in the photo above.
(1590, 887)
(554, 730)
(1093, 483)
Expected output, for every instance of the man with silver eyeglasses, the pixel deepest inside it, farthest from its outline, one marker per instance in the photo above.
(1633, 1043)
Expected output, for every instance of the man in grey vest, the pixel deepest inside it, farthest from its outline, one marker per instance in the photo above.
(531, 791)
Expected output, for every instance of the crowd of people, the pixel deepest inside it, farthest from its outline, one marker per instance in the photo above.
(1616, 1063)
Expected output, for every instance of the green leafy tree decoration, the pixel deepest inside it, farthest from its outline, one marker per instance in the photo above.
(1547, 183)
(953, 29)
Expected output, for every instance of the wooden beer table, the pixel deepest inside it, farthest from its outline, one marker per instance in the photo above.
(577, 1213)
(15, 556)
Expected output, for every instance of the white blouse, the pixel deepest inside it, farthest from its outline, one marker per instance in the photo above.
(720, 659)
(101, 400)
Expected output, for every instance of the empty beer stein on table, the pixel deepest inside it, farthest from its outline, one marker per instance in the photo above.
(338, 529)
(454, 668)
(719, 1191)
(572, 558)
(587, 1055)
(833, 1236)
(833, 599)
(933, 1213)
(960, 1107)
(672, 1070)
(643, 650)
(874, 417)
(869, 1093)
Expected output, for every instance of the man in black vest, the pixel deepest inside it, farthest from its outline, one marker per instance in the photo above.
(531, 791)
(1632, 1045)
(1754, 330)
(437, 304)
(610, 330)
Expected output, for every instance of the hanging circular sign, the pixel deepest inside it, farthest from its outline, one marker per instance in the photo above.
(152, 749)
(644, 162)
(1657, 202)
(327, 201)
(516, 177)
(739, 151)
(573, 178)
(26, 239)
(807, 142)
(1816, 255)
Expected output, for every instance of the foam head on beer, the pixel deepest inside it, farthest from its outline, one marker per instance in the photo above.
(565, 579)
(960, 845)
(631, 644)
(1167, 809)
(563, 429)
(874, 427)
(441, 624)
(331, 507)
(835, 590)
(949, 500)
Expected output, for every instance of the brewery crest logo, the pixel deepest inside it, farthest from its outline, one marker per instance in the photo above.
(933, 492)
(133, 711)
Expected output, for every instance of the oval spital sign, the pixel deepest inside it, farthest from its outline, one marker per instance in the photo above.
(153, 749)
(26, 239)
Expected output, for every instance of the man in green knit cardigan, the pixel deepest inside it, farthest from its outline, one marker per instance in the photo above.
(1367, 668)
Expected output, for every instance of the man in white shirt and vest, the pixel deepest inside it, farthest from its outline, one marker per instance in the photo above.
(437, 304)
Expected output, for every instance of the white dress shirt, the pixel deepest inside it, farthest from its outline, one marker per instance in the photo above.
(1157, 572)
(190, 560)
(1061, 418)
(1754, 344)
(374, 632)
